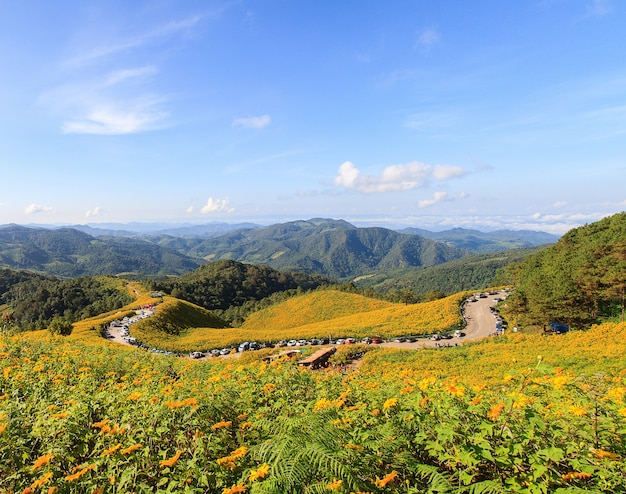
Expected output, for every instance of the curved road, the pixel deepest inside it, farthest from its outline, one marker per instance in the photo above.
(480, 320)
(481, 323)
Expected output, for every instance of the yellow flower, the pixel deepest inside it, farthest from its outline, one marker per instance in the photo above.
(269, 387)
(260, 473)
(41, 461)
(578, 411)
(390, 403)
(559, 381)
(334, 485)
(617, 394)
(134, 396)
(390, 477)
(170, 462)
(455, 389)
(41, 481)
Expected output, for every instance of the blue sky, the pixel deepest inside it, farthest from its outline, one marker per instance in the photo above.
(482, 114)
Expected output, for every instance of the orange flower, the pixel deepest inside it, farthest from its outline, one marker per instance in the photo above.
(41, 461)
(41, 481)
(229, 461)
(111, 450)
(390, 477)
(235, 489)
(130, 449)
(601, 453)
(170, 462)
(476, 400)
(219, 425)
(134, 396)
(334, 485)
(495, 411)
(454, 389)
(80, 472)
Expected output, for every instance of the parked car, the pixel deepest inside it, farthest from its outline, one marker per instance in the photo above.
(558, 327)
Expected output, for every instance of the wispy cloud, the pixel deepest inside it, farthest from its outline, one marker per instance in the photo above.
(427, 38)
(38, 208)
(118, 100)
(440, 197)
(134, 41)
(599, 8)
(110, 120)
(395, 178)
(217, 206)
(258, 122)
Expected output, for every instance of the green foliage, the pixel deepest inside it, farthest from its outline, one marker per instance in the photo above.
(34, 300)
(472, 272)
(69, 253)
(60, 327)
(579, 280)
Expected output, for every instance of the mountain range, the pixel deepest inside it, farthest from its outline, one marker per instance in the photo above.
(334, 248)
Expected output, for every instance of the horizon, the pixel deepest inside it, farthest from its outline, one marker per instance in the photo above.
(487, 115)
(143, 227)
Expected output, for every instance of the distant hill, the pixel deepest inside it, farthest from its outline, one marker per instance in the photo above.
(478, 241)
(333, 248)
(66, 252)
(205, 230)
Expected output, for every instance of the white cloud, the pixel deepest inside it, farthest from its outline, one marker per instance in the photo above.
(437, 197)
(217, 206)
(97, 211)
(259, 122)
(37, 208)
(109, 120)
(190, 210)
(395, 177)
(560, 204)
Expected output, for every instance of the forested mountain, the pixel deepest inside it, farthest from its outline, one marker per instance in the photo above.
(333, 248)
(478, 241)
(225, 285)
(33, 300)
(579, 280)
(69, 253)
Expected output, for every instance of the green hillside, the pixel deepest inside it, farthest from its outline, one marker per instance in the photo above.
(579, 280)
(67, 252)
